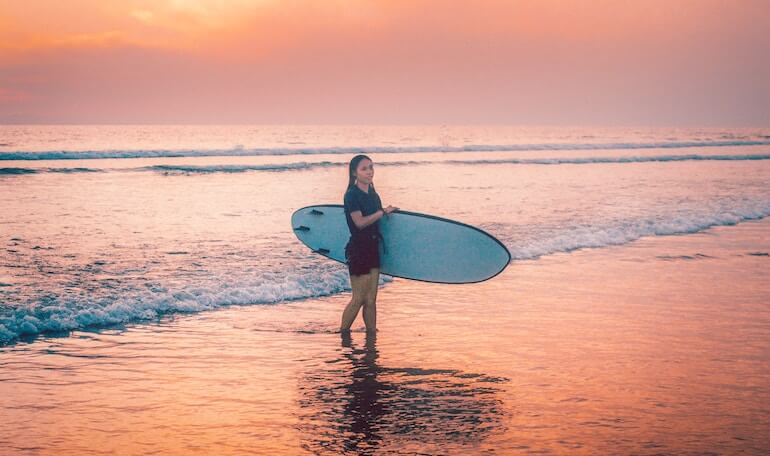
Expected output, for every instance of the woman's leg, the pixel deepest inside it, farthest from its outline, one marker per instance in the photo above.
(370, 301)
(359, 284)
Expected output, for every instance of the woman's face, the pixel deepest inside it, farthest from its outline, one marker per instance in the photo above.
(365, 171)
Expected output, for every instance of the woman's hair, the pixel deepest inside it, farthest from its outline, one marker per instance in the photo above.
(353, 167)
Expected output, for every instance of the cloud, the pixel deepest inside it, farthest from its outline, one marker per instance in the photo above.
(143, 15)
(106, 39)
(390, 61)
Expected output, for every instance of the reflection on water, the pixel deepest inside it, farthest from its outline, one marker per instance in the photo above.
(354, 405)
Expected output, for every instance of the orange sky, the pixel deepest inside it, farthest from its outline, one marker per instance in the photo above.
(599, 62)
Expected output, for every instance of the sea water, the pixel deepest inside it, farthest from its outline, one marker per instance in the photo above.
(115, 225)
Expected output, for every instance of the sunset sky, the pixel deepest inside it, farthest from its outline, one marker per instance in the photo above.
(545, 62)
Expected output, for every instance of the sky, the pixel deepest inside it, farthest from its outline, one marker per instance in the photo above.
(522, 62)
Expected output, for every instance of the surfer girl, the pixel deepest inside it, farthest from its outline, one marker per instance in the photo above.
(363, 210)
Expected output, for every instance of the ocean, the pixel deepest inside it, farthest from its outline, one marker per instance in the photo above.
(154, 299)
(111, 225)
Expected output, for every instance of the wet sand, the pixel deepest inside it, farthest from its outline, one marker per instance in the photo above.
(656, 347)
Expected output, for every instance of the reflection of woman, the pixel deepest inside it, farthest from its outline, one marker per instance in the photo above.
(352, 404)
(363, 210)
(365, 406)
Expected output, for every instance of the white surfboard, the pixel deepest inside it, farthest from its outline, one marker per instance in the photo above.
(414, 246)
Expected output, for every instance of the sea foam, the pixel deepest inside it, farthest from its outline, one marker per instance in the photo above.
(54, 314)
(685, 220)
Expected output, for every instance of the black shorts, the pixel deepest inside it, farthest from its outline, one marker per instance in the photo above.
(363, 254)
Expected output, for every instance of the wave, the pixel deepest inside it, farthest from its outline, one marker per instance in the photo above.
(58, 315)
(73, 170)
(626, 159)
(207, 169)
(240, 151)
(521, 161)
(21, 171)
(623, 231)
(238, 168)
(16, 171)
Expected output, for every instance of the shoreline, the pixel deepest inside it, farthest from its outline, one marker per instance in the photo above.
(654, 346)
(125, 326)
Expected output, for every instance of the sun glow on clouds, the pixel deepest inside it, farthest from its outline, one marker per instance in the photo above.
(198, 13)
(531, 61)
(41, 25)
(143, 15)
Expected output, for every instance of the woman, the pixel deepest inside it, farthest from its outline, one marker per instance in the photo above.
(363, 210)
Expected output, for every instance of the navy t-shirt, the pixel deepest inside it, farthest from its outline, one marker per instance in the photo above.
(368, 203)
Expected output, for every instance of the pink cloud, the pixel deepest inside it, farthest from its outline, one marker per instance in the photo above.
(411, 62)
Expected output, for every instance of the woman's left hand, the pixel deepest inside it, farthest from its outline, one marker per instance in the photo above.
(390, 209)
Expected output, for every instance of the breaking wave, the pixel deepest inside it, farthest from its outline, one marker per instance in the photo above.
(56, 314)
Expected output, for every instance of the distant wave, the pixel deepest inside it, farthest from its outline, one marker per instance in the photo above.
(15, 171)
(73, 170)
(206, 169)
(238, 168)
(18, 171)
(240, 151)
(627, 159)
(521, 161)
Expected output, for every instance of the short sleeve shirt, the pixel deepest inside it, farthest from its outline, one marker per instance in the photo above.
(368, 203)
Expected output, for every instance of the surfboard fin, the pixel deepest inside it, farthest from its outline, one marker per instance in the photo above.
(322, 251)
(316, 212)
(302, 228)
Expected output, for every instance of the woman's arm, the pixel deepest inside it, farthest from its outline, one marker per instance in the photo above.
(363, 221)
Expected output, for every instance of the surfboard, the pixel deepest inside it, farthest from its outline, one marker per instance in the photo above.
(414, 246)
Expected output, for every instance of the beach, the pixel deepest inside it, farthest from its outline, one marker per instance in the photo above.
(160, 304)
(656, 347)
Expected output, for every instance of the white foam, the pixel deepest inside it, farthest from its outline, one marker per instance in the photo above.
(623, 231)
(269, 288)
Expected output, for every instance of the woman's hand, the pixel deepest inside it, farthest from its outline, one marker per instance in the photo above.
(390, 209)
(362, 221)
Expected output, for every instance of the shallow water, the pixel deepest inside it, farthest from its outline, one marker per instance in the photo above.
(162, 304)
(657, 347)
